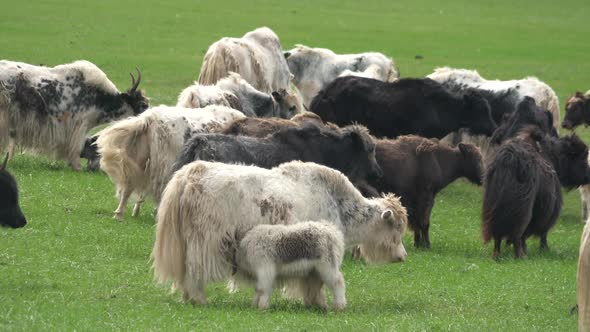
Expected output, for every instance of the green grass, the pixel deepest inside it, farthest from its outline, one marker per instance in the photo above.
(75, 268)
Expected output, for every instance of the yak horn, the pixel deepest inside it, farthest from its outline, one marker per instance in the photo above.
(135, 84)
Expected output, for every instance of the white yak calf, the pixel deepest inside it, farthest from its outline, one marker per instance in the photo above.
(311, 251)
(206, 206)
(138, 153)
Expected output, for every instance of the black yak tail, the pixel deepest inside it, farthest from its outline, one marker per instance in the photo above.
(509, 192)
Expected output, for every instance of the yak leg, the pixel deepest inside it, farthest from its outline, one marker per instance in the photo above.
(497, 245)
(335, 281)
(265, 278)
(194, 292)
(74, 161)
(585, 197)
(123, 198)
(137, 206)
(421, 216)
(544, 245)
(11, 144)
(313, 294)
(518, 247)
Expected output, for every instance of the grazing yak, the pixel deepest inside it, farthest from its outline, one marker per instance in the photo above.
(50, 110)
(583, 290)
(503, 97)
(526, 114)
(257, 57)
(577, 112)
(233, 91)
(350, 150)
(308, 252)
(206, 206)
(257, 127)
(416, 169)
(10, 212)
(314, 68)
(138, 153)
(407, 106)
(522, 194)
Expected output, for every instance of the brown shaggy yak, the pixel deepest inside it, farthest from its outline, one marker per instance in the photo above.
(416, 169)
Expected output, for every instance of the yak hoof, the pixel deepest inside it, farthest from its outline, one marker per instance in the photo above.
(339, 306)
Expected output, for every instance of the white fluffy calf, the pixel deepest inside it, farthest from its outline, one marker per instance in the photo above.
(583, 290)
(206, 206)
(138, 153)
(311, 251)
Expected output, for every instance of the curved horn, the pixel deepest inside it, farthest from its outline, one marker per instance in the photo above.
(5, 162)
(135, 84)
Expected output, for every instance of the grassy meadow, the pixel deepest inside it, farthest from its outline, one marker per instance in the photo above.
(75, 268)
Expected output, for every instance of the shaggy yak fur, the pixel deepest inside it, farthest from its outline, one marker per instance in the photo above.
(350, 150)
(314, 68)
(527, 114)
(50, 110)
(10, 212)
(522, 194)
(583, 290)
(233, 91)
(257, 127)
(310, 252)
(207, 206)
(416, 169)
(138, 153)
(515, 90)
(407, 106)
(257, 57)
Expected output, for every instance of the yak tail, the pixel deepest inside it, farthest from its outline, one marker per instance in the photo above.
(117, 143)
(583, 280)
(508, 187)
(217, 64)
(169, 253)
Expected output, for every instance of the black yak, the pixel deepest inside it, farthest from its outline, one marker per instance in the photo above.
(10, 212)
(522, 194)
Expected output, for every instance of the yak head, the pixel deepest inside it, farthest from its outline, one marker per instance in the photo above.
(572, 159)
(472, 163)
(577, 111)
(382, 242)
(135, 98)
(10, 212)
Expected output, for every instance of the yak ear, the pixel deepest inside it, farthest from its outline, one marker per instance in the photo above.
(579, 94)
(286, 54)
(4, 163)
(387, 215)
(195, 101)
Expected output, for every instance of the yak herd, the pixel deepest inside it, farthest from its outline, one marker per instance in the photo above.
(273, 162)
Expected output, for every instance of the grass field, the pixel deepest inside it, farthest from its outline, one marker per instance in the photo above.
(75, 268)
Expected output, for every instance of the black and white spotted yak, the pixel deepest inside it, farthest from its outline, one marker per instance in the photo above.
(49, 110)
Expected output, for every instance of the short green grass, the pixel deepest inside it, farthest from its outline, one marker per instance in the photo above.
(75, 268)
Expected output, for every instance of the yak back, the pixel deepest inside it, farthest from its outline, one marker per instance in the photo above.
(418, 106)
